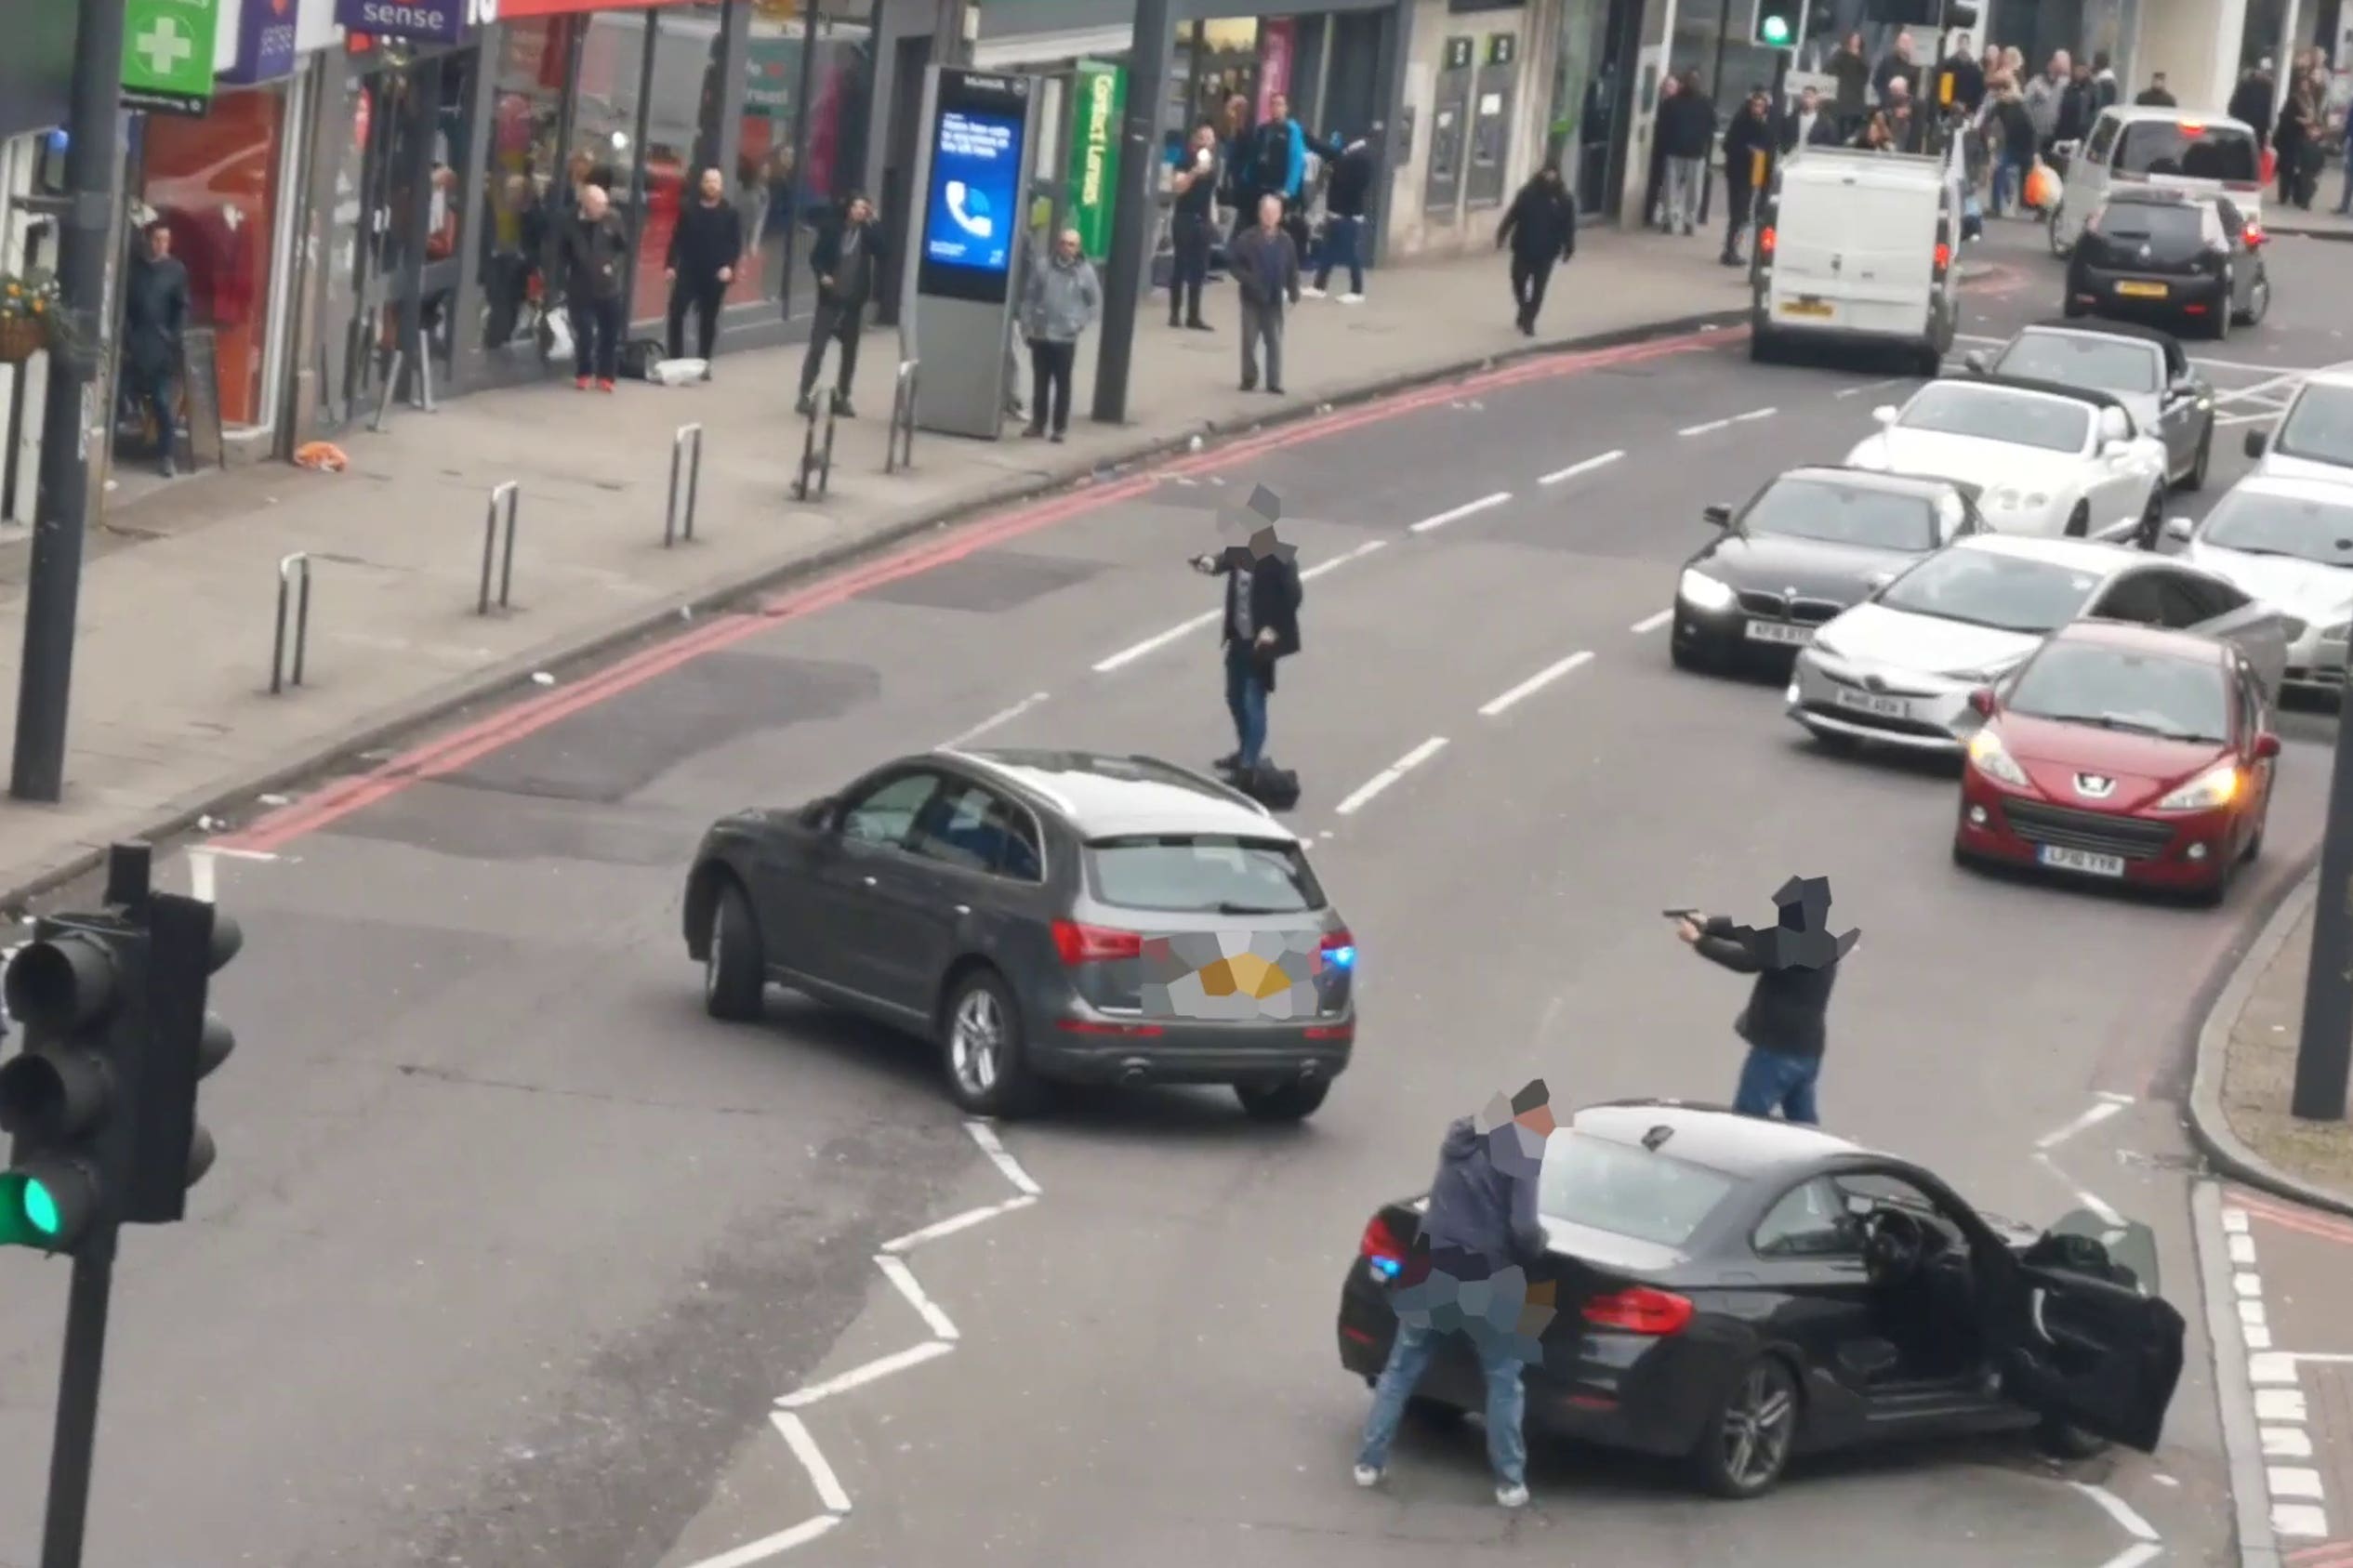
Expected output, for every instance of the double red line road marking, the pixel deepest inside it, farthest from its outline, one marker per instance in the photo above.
(2329, 1554)
(2279, 1211)
(448, 753)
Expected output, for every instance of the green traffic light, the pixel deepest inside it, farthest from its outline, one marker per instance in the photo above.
(1776, 30)
(40, 1208)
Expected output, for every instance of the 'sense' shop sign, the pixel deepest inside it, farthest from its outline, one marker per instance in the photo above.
(433, 21)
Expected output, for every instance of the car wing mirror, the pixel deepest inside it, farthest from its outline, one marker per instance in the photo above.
(1878, 580)
(1974, 362)
(817, 812)
(1886, 413)
(1981, 701)
(2254, 443)
(2179, 528)
(2267, 746)
(1719, 514)
(2115, 449)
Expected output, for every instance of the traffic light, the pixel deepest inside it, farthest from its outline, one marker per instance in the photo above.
(189, 942)
(67, 1097)
(1777, 22)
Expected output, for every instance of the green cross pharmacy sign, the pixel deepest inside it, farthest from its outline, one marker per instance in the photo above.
(167, 54)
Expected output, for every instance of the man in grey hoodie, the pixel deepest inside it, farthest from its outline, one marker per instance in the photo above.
(1060, 301)
(1481, 1231)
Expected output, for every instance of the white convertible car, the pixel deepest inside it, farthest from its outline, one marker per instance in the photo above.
(2050, 460)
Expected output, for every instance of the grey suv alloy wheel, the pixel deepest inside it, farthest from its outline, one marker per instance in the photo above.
(981, 1045)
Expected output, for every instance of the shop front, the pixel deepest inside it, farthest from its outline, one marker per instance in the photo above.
(35, 74)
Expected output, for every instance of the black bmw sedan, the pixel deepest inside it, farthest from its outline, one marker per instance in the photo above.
(1735, 1292)
(1812, 543)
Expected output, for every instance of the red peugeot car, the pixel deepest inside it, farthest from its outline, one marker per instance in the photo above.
(2122, 752)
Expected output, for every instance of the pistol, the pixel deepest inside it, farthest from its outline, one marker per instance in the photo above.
(1681, 914)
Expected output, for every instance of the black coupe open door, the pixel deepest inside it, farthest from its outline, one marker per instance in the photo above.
(2089, 1343)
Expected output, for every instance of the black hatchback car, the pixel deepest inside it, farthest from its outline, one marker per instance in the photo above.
(1042, 916)
(1733, 1292)
(2159, 254)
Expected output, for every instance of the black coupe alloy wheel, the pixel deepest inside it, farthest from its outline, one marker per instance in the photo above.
(1749, 1444)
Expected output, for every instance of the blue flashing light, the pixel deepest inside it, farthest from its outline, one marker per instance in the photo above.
(1387, 1267)
(1342, 958)
(58, 140)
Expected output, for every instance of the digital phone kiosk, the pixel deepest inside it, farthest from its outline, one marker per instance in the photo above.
(964, 272)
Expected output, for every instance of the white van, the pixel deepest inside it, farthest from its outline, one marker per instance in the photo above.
(2208, 154)
(1858, 247)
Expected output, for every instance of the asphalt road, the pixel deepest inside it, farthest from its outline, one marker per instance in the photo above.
(509, 1249)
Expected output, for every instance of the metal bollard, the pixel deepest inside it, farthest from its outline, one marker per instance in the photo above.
(297, 564)
(393, 368)
(510, 493)
(671, 530)
(900, 453)
(815, 459)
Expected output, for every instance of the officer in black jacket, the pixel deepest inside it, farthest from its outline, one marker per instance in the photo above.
(848, 259)
(1795, 962)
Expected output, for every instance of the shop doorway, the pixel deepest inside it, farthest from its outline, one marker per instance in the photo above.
(1604, 121)
(904, 135)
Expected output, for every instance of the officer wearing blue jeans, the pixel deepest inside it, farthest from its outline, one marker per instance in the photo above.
(1795, 961)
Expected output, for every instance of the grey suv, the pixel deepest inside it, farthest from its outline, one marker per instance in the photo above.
(1040, 915)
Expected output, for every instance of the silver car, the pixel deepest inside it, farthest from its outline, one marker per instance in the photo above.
(2288, 542)
(1899, 668)
(2145, 370)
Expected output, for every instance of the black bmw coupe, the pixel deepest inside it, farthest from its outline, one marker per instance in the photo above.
(1733, 1292)
(1815, 541)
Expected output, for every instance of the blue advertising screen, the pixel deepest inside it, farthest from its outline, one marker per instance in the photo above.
(974, 212)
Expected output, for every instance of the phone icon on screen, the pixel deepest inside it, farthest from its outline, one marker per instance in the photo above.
(969, 209)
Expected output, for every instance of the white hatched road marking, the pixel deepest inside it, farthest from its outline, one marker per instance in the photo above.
(1457, 514)
(1340, 561)
(1002, 716)
(2089, 1119)
(1867, 387)
(795, 1431)
(2118, 1510)
(1652, 623)
(1534, 683)
(1158, 640)
(1391, 774)
(1587, 467)
(2136, 1554)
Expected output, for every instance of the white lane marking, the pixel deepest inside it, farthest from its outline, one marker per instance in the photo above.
(776, 1545)
(2300, 1520)
(1711, 425)
(1390, 775)
(948, 1227)
(2256, 418)
(2234, 1220)
(1754, 414)
(2293, 1482)
(1652, 623)
(2282, 1407)
(873, 1371)
(1459, 513)
(2133, 1556)
(2246, 1284)
(2272, 1366)
(218, 850)
(2242, 1248)
(1129, 654)
(1002, 716)
(2118, 1510)
(1867, 387)
(1534, 683)
(986, 1136)
(1587, 467)
(899, 1274)
(2088, 1120)
(804, 1449)
(1338, 561)
(2098, 1205)
(2286, 1443)
(200, 875)
(2112, 1095)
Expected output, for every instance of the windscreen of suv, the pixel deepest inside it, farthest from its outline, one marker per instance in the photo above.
(2320, 427)
(1201, 874)
(1626, 1190)
(1982, 588)
(2187, 151)
(2078, 358)
(2052, 423)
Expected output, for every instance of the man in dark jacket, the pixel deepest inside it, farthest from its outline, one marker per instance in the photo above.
(154, 317)
(704, 247)
(2251, 101)
(1850, 68)
(1193, 228)
(1541, 230)
(1261, 628)
(595, 248)
(2077, 106)
(1482, 1229)
(1795, 963)
(1968, 78)
(1810, 126)
(1749, 134)
(847, 260)
(1346, 194)
(1687, 127)
(2157, 94)
(1264, 264)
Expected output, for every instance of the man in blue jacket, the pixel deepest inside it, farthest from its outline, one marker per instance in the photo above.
(1482, 1231)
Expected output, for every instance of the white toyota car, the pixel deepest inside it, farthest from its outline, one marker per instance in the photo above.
(2049, 460)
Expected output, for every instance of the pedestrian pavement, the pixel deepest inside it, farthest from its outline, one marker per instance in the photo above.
(2323, 222)
(171, 707)
(2246, 1068)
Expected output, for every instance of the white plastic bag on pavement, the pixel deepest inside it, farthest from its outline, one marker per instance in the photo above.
(677, 373)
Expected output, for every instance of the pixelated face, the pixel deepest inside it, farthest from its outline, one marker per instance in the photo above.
(1253, 524)
(1233, 977)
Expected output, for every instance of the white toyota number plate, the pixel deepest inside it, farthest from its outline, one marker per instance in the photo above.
(1775, 631)
(2062, 859)
(1885, 707)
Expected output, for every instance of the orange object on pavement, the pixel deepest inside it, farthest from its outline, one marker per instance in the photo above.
(322, 454)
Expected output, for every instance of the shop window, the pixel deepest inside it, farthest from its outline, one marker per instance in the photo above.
(681, 124)
(798, 162)
(522, 176)
(604, 125)
(214, 181)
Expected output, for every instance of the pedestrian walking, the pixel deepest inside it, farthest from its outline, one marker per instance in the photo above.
(2156, 94)
(1749, 138)
(1654, 200)
(596, 254)
(1347, 194)
(2252, 100)
(1850, 68)
(704, 249)
(1687, 123)
(1540, 227)
(1264, 262)
(154, 325)
(1468, 1275)
(1795, 962)
(1192, 228)
(1059, 303)
(2018, 152)
(1262, 596)
(847, 260)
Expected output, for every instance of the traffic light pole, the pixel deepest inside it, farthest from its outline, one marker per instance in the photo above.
(53, 586)
(2324, 1050)
(76, 1446)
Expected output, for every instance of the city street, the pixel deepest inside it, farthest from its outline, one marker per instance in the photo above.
(510, 1251)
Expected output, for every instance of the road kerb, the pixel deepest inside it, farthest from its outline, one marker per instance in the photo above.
(2243, 1449)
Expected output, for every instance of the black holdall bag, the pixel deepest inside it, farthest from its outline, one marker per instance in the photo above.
(639, 355)
(1275, 788)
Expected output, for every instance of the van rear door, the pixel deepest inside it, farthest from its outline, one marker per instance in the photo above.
(1860, 238)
